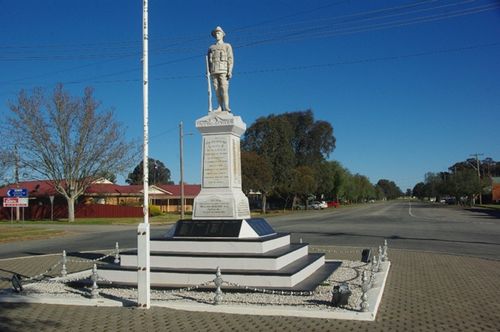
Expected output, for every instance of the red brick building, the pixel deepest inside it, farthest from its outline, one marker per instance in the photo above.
(166, 197)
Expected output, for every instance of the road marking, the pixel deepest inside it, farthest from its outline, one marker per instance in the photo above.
(409, 210)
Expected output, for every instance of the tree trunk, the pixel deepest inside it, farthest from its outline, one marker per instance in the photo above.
(264, 199)
(71, 209)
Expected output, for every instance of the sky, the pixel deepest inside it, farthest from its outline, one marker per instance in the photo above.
(409, 86)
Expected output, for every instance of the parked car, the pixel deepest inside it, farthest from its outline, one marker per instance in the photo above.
(334, 204)
(317, 205)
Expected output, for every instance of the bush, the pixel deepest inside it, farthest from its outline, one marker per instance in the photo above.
(154, 210)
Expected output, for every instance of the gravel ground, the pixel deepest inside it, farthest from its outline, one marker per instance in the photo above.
(349, 272)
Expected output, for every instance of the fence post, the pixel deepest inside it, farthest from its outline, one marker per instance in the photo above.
(218, 284)
(64, 272)
(94, 292)
(117, 253)
(374, 264)
(365, 286)
(385, 258)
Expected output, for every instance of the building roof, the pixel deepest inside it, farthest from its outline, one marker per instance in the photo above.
(35, 188)
(44, 188)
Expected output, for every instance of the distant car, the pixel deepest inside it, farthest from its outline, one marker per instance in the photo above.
(316, 205)
(334, 204)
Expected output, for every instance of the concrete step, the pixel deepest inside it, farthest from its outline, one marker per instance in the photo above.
(220, 245)
(271, 260)
(284, 278)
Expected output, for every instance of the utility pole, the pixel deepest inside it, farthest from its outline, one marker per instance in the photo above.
(16, 178)
(478, 168)
(181, 153)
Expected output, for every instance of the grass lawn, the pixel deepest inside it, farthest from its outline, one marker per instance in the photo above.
(164, 219)
(490, 206)
(18, 233)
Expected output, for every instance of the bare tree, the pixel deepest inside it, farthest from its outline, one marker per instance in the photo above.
(6, 164)
(68, 140)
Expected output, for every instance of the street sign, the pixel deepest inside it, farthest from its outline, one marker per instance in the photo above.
(16, 192)
(15, 202)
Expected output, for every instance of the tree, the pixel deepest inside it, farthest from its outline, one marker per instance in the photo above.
(302, 183)
(288, 141)
(324, 174)
(271, 138)
(157, 173)
(389, 188)
(340, 179)
(364, 190)
(419, 190)
(67, 140)
(490, 168)
(465, 183)
(7, 160)
(256, 173)
(312, 141)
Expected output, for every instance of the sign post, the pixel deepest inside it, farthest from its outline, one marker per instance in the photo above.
(51, 197)
(16, 192)
(15, 202)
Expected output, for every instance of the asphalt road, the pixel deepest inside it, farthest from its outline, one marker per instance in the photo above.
(413, 226)
(405, 225)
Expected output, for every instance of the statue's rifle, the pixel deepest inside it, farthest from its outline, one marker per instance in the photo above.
(209, 86)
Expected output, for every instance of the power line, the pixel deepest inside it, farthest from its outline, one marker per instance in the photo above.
(332, 32)
(351, 18)
(306, 67)
(304, 33)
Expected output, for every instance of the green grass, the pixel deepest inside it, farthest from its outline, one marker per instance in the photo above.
(490, 206)
(163, 219)
(20, 232)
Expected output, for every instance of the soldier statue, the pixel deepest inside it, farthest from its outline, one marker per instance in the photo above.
(220, 63)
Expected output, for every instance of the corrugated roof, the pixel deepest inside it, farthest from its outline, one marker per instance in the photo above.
(35, 188)
(44, 188)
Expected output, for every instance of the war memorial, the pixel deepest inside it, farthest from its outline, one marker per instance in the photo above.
(221, 253)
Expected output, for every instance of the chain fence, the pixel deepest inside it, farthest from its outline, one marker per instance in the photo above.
(363, 278)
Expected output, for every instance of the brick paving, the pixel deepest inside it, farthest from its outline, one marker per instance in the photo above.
(424, 292)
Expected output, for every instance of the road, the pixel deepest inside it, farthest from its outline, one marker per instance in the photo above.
(406, 225)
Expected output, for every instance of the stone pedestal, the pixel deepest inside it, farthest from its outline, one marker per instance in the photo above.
(221, 196)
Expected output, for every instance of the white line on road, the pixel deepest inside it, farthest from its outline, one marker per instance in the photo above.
(409, 210)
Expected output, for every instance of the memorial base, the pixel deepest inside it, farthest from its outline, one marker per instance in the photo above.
(248, 251)
(242, 229)
(216, 204)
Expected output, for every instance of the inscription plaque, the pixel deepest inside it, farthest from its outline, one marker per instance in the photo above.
(214, 207)
(236, 163)
(207, 228)
(215, 162)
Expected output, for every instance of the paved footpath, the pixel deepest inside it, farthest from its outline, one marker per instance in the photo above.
(424, 292)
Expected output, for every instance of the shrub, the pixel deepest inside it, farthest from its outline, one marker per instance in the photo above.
(154, 210)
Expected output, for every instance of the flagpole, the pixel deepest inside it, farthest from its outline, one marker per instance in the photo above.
(143, 245)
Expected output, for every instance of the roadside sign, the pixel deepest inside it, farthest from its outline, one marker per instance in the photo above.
(16, 192)
(15, 202)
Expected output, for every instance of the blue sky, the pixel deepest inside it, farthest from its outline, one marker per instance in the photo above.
(409, 86)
